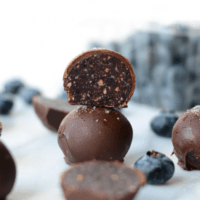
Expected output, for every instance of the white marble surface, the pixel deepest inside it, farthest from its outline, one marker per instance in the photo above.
(40, 161)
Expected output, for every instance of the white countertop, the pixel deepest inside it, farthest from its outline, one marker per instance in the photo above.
(40, 161)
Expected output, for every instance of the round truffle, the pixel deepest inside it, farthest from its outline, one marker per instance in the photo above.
(7, 171)
(94, 133)
(186, 139)
(99, 77)
(101, 180)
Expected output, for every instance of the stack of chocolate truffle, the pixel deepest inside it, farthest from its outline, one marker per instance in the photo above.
(100, 81)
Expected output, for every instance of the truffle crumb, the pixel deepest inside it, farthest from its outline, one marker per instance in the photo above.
(106, 70)
(69, 84)
(117, 88)
(100, 82)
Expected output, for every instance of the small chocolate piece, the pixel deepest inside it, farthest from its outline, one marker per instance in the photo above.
(0, 127)
(100, 180)
(186, 139)
(94, 133)
(100, 78)
(7, 171)
(51, 111)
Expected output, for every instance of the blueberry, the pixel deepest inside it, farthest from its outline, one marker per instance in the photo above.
(6, 104)
(163, 123)
(28, 93)
(157, 167)
(13, 86)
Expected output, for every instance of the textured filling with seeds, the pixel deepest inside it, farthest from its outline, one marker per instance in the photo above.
(106, 177)
(100, 80)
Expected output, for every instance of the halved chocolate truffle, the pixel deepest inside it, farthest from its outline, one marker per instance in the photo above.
(94, 133)
(51, 111)
(100, 78)
(186, 139)
(100, 180)
(7, 171)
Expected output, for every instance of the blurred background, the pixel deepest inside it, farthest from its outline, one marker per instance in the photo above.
(160, 38)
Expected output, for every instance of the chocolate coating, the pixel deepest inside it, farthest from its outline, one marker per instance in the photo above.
(7, 171)
(186, 139)
(51, 111)
(100, 77)
(94, 133)
(101, 180)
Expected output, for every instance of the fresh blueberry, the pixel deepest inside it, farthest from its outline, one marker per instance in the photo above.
(157, 167)
(163, 123)
(6, 104)
(28, 93)
(13, 86)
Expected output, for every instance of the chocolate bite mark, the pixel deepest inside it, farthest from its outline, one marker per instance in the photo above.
(102, 180)
(51, 111)
(101, 78)
(193, 160)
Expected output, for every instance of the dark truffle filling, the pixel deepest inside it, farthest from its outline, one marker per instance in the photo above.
(193, 160)
(99, 80)
(106, 177)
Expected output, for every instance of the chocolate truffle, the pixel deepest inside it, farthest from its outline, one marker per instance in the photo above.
(0, 128)
(94, 133)
(186, 139)
(7, 171)
(99, 78)
(51, 111)
(101, 180)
